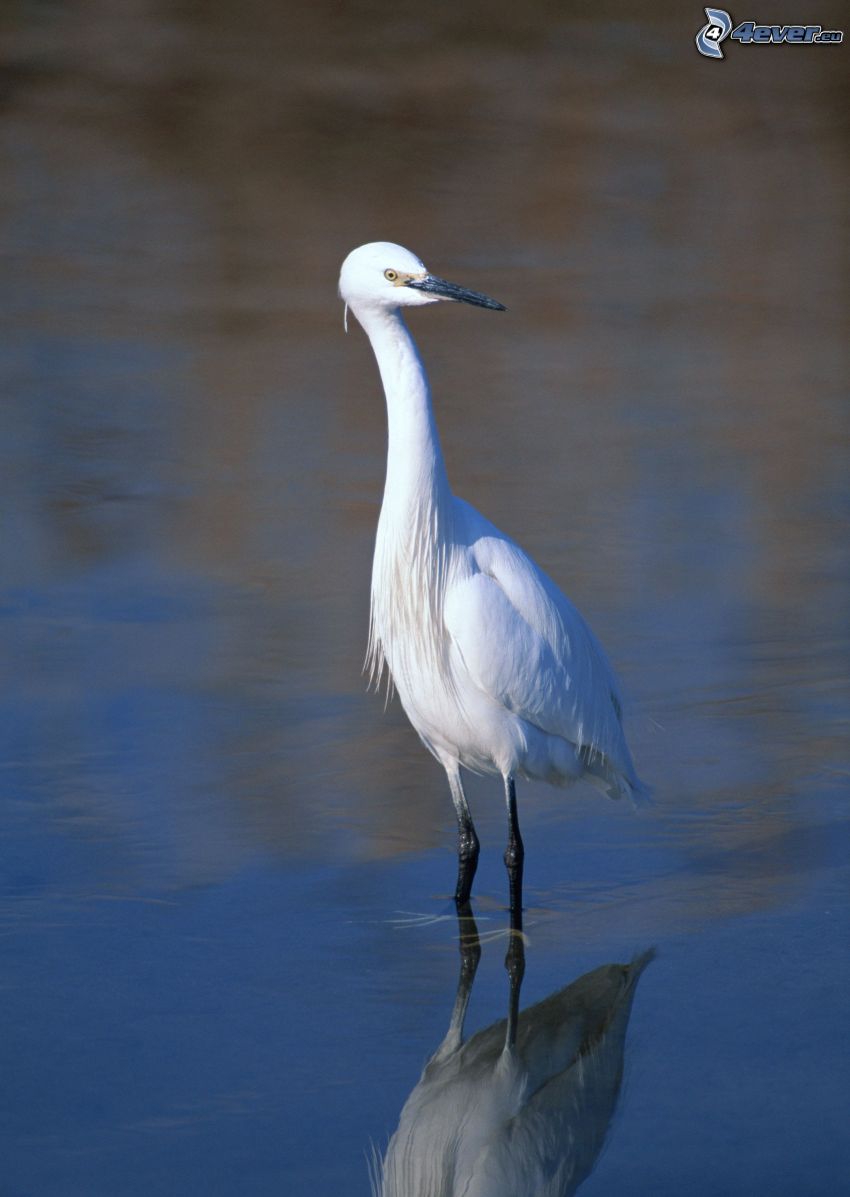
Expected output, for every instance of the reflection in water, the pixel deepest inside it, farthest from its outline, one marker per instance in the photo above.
(523, 1106)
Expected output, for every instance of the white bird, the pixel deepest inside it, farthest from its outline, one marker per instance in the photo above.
(495, 668)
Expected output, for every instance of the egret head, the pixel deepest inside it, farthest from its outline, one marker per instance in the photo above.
(384, 275)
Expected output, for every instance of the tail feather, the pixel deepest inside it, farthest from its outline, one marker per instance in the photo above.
(600, 772)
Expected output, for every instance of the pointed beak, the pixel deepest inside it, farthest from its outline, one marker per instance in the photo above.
(444, 290)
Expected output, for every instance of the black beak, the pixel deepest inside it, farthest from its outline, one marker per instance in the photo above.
(439, 286)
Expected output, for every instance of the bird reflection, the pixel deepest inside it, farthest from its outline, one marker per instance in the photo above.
(522, 1108)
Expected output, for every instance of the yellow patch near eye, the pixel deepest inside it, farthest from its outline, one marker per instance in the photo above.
(400, 278)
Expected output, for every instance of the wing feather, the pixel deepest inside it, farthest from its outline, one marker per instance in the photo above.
(526, 645)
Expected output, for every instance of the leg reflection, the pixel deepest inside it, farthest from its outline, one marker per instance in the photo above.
(470, 954)
(515, 959)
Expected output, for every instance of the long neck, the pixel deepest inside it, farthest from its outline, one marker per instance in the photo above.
(409, 570)
(416, 472)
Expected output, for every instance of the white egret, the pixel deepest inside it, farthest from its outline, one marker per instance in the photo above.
(495, 668)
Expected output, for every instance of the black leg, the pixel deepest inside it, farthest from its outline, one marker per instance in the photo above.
(467, 862)
(514, 853)
(515, 958)
(467, 843)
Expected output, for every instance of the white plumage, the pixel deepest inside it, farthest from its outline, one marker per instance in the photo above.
(495, 668)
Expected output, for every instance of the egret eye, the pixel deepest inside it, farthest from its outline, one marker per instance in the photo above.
(391, 275)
